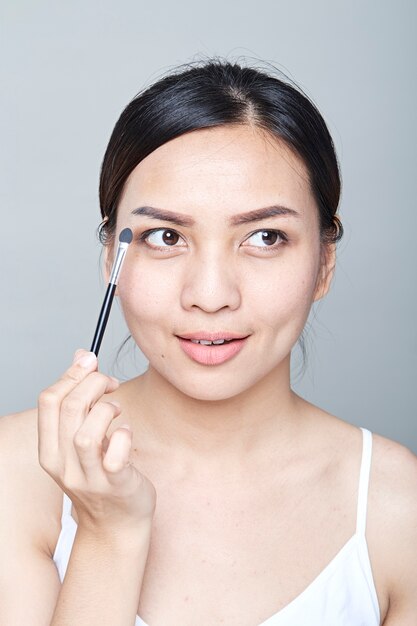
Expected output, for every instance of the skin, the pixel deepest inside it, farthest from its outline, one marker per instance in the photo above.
(220, 429)
(217, 277)
(263, 482)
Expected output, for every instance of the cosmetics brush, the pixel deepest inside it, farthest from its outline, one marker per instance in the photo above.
(125, 237)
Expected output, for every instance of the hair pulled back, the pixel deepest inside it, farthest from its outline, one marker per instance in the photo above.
(215, 93)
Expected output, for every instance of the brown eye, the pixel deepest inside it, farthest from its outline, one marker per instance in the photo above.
(160, 238)
(265, 239)
(269, 237)
(170, 237)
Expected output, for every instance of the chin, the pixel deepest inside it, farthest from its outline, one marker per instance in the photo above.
(220, 386)
(208, 395)
(208, 392)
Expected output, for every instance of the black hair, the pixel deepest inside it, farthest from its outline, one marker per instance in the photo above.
(218, 92)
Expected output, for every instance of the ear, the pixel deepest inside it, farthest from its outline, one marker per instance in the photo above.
(107, 261)
(108, 258)
(326, 272)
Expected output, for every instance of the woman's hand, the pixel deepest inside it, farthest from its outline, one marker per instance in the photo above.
(108, 492)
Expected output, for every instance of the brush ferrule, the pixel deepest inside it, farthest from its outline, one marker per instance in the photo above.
(117, 265)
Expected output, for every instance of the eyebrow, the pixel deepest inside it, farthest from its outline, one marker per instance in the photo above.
(241, 218)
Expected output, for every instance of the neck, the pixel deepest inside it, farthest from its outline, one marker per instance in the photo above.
(260, 423)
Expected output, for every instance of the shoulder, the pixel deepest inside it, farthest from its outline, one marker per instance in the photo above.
(18, 427)
(394, 481)
(18, 441)
(27, 491)
(392, 523)
(18, 444)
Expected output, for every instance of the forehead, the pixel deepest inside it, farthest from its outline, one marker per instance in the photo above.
(224, 170)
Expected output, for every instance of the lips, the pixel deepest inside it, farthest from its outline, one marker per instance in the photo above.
(212, 354)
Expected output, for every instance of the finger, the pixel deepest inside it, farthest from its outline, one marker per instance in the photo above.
(116, 460)
(49, 405)
(83, 365)
(90, 441)
(77, 405)
(50, 399)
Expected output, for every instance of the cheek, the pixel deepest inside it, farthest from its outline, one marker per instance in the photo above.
(283, 292)
(272, 293)
(144, 295)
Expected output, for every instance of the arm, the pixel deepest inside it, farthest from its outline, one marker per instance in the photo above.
(103, 580)
(104, 576)
(113, 501)
(66, 441)
(29, 582)
(401, 551)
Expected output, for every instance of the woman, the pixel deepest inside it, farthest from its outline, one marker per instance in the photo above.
(206, 491)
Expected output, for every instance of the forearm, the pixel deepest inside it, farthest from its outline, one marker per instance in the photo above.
(103, 580)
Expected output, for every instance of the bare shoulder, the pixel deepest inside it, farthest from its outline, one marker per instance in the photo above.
(394, 483)
(392, 526)
(394, 469)
(30, 493)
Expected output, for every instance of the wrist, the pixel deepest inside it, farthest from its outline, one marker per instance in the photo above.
(120, 538)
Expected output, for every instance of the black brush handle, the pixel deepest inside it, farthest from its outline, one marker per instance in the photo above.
(103, 317)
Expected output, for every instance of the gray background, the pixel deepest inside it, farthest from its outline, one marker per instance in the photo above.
(67, 71)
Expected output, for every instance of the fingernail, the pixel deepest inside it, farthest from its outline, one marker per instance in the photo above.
(87, 360)
(126, 426)
(77, 355)
(114, 403)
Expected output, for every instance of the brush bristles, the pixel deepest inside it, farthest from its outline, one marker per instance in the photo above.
(126, 235)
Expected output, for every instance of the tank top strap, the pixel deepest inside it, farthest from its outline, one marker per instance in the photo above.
(66, 509)
(364, 481)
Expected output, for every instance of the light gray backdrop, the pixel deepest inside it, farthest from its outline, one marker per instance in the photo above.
(67, 71)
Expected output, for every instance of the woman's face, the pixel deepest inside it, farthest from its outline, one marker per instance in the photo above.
(215, 273)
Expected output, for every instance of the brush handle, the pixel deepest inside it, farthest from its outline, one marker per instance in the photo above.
(103, 317)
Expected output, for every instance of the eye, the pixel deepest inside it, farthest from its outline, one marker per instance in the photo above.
(271, 238)
(160, 238)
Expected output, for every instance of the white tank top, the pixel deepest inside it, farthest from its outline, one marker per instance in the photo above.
(343, 594)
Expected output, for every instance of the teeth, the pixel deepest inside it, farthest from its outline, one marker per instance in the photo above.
(204, 342)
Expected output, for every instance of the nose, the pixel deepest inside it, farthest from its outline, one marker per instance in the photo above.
(211, 283)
